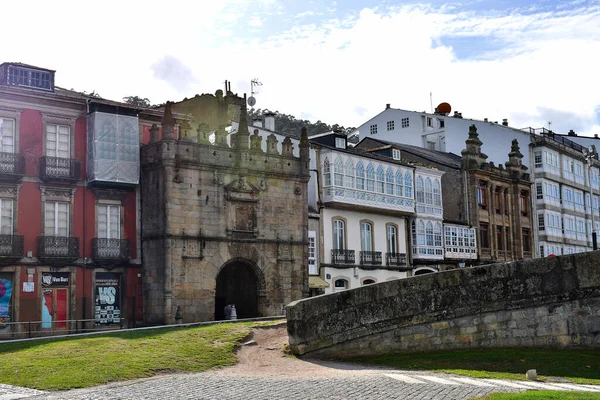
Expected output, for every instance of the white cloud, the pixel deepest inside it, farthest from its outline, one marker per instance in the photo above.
(340, 71)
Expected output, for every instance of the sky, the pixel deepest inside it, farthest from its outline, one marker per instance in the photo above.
(533, 63)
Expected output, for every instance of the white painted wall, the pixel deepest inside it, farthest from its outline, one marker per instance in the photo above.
(496, 138)
(353, 219)
(356, 276)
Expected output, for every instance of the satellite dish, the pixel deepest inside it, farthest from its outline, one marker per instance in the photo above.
(251, 101)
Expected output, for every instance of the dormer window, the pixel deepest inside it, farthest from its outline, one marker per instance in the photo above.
(25, 76)
(396, 154)
(340, 143)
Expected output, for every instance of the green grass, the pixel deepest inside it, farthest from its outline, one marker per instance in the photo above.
(60, 364)
(577, 366)
(541, 395)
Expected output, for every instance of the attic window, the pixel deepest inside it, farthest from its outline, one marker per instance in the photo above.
(340, 143)
(373, 129)
(395, 154)
(20, 76)
(405, 122)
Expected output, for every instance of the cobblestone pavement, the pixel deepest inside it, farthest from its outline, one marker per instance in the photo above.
(378, 385)
(8, 392)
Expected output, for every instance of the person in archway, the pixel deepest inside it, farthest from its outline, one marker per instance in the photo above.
(228, 311)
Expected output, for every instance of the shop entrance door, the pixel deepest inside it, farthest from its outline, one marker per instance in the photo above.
(55, 306)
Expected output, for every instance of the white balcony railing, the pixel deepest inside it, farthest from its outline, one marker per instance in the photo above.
(428, 252)
(469, 253)
(362, 197)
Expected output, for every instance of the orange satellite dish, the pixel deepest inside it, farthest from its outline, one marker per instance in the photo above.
(444, 108)
(551, 255)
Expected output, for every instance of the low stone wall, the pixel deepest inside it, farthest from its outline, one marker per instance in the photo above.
(547, 302)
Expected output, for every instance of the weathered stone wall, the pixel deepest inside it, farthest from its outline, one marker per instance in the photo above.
(195, 198)
(551, 302)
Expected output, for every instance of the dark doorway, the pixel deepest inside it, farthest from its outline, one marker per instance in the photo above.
(237, 284)
(423, 272)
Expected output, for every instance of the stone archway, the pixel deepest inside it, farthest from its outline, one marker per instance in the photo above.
(239, 282)
(423, 271)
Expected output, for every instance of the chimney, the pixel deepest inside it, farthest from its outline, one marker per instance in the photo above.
(505, 122)
(257, 122)
(387, 106)
(595, 136)
(485, 120)
(269, 121)
(571, 133)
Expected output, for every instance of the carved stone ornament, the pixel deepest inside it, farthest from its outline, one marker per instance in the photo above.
(9, 191)
(217, 178)
(57, 193)
(297, 190)
(262, 184)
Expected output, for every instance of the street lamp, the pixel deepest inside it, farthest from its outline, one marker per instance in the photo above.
(461, 263)
(590, 153)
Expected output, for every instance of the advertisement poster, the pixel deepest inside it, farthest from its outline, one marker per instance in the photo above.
(5, 293)
(107, 307)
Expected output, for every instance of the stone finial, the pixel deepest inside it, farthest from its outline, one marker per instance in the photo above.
(154, 134)
(287, 147)
(515, 151)
(515, 158)
(242, 133)
(221, 136)
(472, 156)
(203, 133)
(185, 128)
(168, 122)
(256, 142)
(272, 144)
(304, 137)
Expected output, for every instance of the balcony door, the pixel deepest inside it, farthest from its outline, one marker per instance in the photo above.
(109, 230)
(56, 228)
(366, 237)
(58, 149)
(7, 145)
(6, 227)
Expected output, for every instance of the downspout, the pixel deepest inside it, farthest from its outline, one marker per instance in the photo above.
(167, 250)
(85, 188)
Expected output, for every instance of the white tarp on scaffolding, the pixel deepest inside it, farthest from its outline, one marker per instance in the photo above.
(113, 148)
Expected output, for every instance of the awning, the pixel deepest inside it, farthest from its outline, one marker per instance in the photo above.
(316, 282)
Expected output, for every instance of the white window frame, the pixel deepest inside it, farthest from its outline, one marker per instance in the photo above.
(396, 154)
(390, 125)
(109, 207)
(405, 122)
(340, 143)
(313, 268)
(392, 239)
(373, 129)
(10, 230)
(366, 236)
(55, 217)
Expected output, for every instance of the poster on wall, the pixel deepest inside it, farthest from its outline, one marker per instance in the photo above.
(5, 294)
(107, 309)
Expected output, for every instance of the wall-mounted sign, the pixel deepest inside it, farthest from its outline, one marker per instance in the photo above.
(28, 287)
(107, 309)
(55, 279)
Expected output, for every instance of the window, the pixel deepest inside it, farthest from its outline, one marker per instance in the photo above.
(483, 236)
(349, 174)
(428, 191)
(396, 154)
(338, 173)
(370, 178)
(497, 200)
(499, 231)
(441, 122)
(19, 76)
(526, 244)
(7, 135)
(339, 239)
(389, 182)
(340, 143)
(407, 185)
(366, 236)
(109, 221)
(541, 222)
(420, 190)
(507, 236)
(373, 129)
(390, 125)
(58, 141)
(56, 218)
(539, 192)
(340, 284)
(6, 217)
(420, 233)
(360, 176)
(429, 233)
(392, 239)
(506, 203)
(405, 122)
(380, 180)
(437, 234)
(368, 282)
(482, 196)
(399, 184)
(538, 159)
(429, 122)
(327, 172)
(312, 253)
(431, 145)
(524, 199)
(437, 193)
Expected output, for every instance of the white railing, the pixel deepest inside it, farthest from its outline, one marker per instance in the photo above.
(428, 209)
(428, 252)
(363, 197)
(461, 252)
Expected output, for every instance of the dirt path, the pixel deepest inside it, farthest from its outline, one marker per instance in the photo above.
(267, 358)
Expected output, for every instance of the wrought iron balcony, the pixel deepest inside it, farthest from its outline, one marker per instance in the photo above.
(12, 166)
(11, 248)
(342, 256)
(370, 258)
(111, 250)
(395, 259)
(59, 169)
(58, 249)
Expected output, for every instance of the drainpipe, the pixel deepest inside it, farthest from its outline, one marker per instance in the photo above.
(168, 178)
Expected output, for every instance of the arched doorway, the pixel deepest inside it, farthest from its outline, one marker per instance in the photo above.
(423, 271)
(237, 283)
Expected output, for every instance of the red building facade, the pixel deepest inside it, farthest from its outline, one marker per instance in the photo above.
(69, 206)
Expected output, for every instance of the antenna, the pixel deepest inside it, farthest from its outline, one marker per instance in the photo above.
(431, 100)
(550, 126)
(252, 99)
